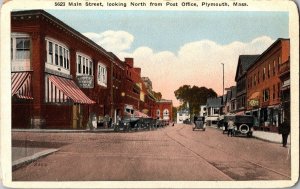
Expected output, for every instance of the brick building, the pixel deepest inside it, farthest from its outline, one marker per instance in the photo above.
(264, 85)
(244, 62)
(61, 79)
(163, 110)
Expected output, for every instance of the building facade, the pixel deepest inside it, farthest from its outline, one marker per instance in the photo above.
(264, 86)
(62, 79)
(164, 110)
(244, 62)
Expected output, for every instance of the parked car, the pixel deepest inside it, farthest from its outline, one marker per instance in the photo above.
(243, 124)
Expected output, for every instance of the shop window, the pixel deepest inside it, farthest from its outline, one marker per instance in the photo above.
(84, 65)
(102, 75)
(266, 95)
(278, 90)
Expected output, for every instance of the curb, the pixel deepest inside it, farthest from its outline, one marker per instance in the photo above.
(26, 160)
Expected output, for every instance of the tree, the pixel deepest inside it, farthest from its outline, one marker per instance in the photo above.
(157, 95)
(195, 96)
(174, 111)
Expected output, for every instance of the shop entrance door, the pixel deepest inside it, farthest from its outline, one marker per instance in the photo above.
(77, 116)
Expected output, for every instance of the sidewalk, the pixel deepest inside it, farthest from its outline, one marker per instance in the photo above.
(270, 137)
(64, 130)
(266, 136)
(22, 156)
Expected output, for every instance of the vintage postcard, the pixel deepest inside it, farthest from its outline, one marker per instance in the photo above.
(149, 94)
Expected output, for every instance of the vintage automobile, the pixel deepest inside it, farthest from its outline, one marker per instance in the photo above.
(199, 123)
(243, 124)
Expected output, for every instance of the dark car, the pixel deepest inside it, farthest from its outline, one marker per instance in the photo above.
(243, 124)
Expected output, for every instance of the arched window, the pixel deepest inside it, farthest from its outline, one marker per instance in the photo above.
(166, 112)
(158, 113)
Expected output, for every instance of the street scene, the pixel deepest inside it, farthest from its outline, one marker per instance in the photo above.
(107, 97)
(164, 154)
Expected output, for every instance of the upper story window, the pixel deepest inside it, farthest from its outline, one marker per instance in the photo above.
(102, 75)
(264, 74)
(269, 70)
(258, 77)
(274, 67)
(20, 47)
(84, 65)
(58, 56)
(279, 62)
(266, 95)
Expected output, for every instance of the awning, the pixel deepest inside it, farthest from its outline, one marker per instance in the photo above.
(21, 85)
(255, 95)
(139, 114)
(286, 85)
(70, 89)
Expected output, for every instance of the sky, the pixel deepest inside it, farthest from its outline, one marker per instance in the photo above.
(175, 48)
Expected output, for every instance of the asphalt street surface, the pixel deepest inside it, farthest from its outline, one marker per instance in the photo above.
(167, 154)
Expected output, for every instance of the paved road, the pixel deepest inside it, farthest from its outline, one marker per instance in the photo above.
(168, 154)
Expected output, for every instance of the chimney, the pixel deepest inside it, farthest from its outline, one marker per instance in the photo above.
(129, 62)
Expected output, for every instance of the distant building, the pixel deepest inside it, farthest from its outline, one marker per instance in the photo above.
(244, 62)
(164, 109)
(183, 115)
(202, 110)
(213, 106)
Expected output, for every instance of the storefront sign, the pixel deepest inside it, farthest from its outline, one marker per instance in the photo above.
(254, 102)
(85, 81)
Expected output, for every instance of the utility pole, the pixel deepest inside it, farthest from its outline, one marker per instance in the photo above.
(223, 79)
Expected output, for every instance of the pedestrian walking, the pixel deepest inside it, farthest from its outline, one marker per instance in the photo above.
(284, 130)
(230, 127)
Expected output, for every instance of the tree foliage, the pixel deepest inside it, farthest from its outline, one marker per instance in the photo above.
(195, 96)
(157, 95)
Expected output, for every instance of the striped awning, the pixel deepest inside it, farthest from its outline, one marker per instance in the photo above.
(139, 114)
(21, 85)
(70, 89)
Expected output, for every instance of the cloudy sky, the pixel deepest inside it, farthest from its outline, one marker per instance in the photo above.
(174, 48)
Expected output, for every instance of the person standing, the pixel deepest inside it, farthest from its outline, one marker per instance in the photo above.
(284, 130)
(230, 127)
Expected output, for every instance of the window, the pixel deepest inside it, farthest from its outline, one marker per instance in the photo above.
(266, 95)
(258, 77)
(254, 80)
(50, 53)
(274, 67)
(56, 54)
(102, 75)
(158, 113)
(264, 74)
(269, 70)
(279, 62)
(20, 47)
(84, 65)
